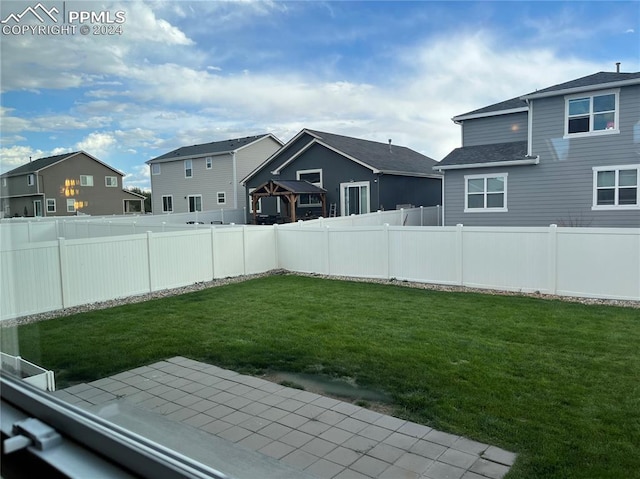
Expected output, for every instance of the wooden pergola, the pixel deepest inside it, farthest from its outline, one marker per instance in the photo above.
(289, 191)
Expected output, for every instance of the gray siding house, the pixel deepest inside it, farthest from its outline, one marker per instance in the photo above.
(359, 176)
(207, 176)
(65, 185)
(566, 155)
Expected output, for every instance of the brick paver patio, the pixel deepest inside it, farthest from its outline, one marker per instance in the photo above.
(322, 436)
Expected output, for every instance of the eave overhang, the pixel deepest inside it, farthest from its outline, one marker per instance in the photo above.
(526, 161)
(472, 116)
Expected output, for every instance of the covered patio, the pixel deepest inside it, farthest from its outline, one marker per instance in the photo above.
(289, 191)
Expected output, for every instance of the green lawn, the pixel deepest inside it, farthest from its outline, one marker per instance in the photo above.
(556, 382)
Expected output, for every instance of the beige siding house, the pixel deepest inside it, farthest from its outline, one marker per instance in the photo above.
(66, 185)
(207, 176)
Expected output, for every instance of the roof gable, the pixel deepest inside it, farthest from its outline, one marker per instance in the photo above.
(42, 163)
(379, 157)
(213, 148)
(383, 157)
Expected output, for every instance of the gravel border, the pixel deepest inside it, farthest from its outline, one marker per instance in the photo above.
(239, 279)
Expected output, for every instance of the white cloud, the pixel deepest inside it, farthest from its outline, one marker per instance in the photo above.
(97, 143)
(15, 156)
(138, 176)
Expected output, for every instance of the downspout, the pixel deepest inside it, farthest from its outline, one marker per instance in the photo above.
(530, 128)
(235, 180)
(442, 199)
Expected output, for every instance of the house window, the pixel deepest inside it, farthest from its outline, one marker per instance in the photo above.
(195, 203)
(589, 114)
(155, 169)
(51, 205)
(209, 162)
(188, 169)
(616, 187)
(111, 181)
(167, 204)
(86, 180)
(4, 182)
(222, 197)
(259, 209)
(485, 192)
(71, 205)
(31, 179)
(315, 178)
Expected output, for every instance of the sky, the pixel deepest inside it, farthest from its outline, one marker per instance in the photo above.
(133, 80)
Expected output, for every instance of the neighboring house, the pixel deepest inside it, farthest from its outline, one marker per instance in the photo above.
(65, 185)
(206, 177)
(359, 176)
(566, 155)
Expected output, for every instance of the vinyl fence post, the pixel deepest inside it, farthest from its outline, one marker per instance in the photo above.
(150, 261)
(553, 259)
(276, 253)
(64, 283)
(244, 250)
(387, 246)
(459, 255)
(327, 252)
(213, 253)
(421, 215)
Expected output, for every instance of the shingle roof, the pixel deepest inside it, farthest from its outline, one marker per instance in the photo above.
(511, 104)
(498, 152)
(599, 78)
(394, 159)
(213, 148)
(37, 165)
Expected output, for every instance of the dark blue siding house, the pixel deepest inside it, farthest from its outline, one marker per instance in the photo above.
(356, 176)
(566, 155)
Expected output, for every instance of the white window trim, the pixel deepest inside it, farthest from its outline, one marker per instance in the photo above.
(4, 182)
(224, 197)
(53, 200)
(354, 183)
(71, 205)
(112, 185)
(162, 199)
(88, 180)
(590, 95)
(320, 184)
(209, 162)
(189, 168)
(31, 179)
(485, 209)
(156, 169)
(596, 207)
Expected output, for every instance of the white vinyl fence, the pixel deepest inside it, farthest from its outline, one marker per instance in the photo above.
(33, 230)
(52, 275)
(588, 262)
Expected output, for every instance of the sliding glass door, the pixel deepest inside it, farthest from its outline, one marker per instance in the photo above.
(354, 198)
